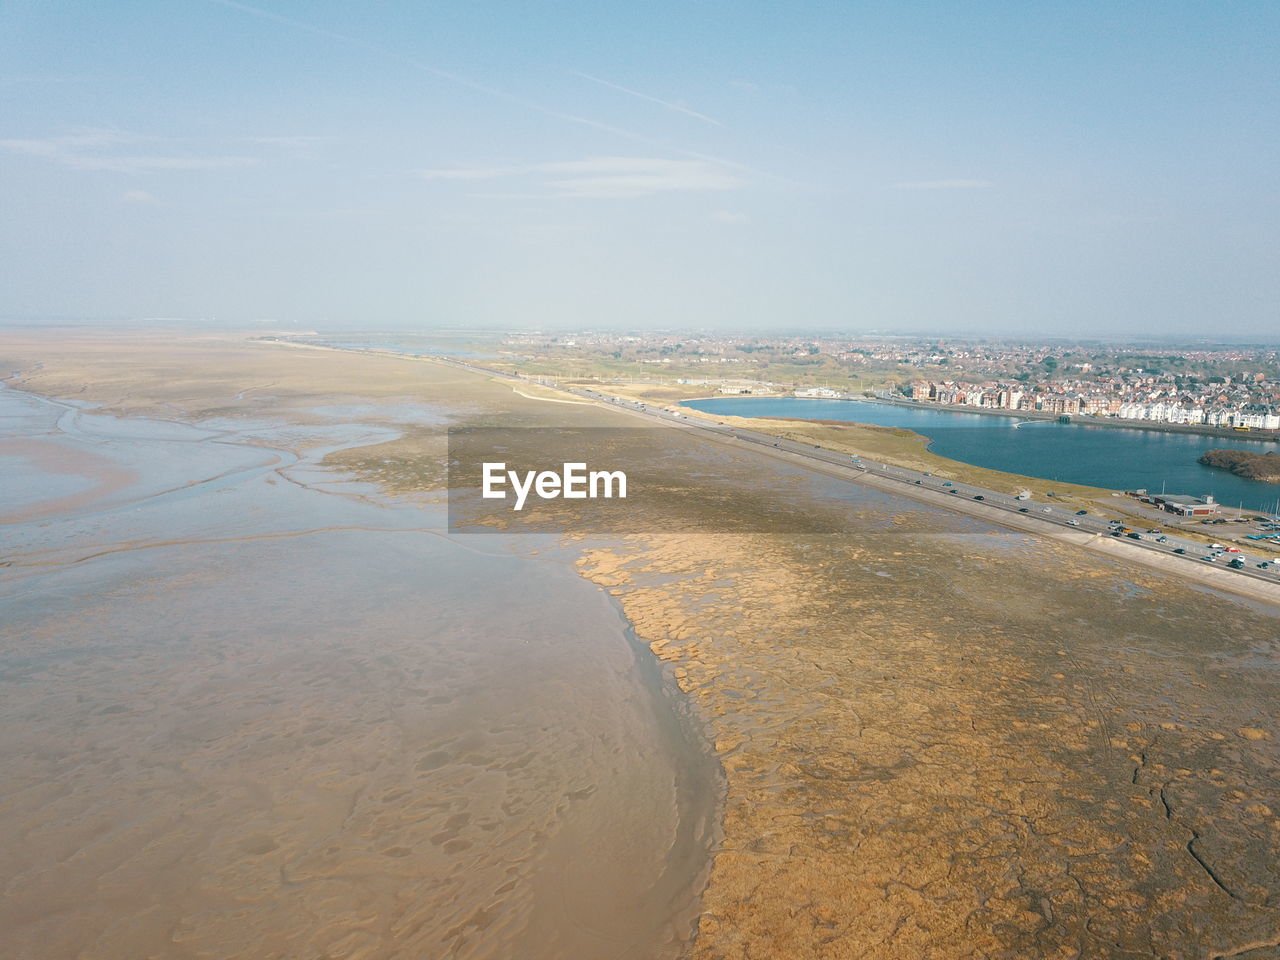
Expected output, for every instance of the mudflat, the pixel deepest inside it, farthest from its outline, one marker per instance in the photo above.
(249, 707)
(939, 738)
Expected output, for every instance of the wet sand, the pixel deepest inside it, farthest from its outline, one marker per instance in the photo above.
(250, 709)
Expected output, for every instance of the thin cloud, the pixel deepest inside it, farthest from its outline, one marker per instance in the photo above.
(473, 173)
(100, 150)
(955, 184)
(677, 107)
(139, 198)
(730, 216)
(289, 141)
(605, 177)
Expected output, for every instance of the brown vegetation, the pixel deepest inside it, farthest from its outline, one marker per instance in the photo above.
(1246, 463)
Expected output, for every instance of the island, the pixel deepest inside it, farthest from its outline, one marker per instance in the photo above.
(1245, 463)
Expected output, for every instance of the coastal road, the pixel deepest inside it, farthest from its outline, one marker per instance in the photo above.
(1153, 546)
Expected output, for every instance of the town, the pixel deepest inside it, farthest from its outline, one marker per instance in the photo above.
(1222, 386)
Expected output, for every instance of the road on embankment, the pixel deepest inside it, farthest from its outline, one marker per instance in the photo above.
(1169, 553)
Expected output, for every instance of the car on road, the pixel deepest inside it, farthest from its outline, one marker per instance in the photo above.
(978, 496)
(1133, 535)
(1081, 513)
(1179, 550)
(1236, 564)
(948, 484)
(918, 482)
(1155, 530)
(1233, 549)
(953, 490)
(1073, 522)
(1162, 539)
(1211, 557)
(1264, 565)
(1024, 509)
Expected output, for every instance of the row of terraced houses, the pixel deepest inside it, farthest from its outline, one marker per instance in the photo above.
(1217, 410)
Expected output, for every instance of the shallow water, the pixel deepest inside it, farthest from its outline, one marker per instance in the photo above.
(247, 712)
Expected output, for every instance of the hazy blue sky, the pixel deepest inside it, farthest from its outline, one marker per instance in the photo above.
(1022, 166)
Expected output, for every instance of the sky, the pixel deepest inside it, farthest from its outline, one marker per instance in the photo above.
(1008, 168)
